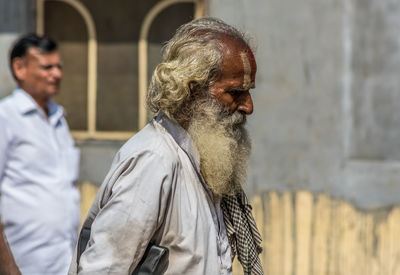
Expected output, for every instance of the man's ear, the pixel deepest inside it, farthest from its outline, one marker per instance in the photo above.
(19, 68)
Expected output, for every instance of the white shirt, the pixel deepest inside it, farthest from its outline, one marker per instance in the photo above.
(38, 168)
(154, 192)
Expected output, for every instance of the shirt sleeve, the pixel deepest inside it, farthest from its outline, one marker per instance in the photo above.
(4, 140)
(129, 217)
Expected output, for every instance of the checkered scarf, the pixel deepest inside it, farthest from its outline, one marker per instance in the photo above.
(243, 236)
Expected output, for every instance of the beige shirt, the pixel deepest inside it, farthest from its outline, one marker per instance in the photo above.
(154, 192)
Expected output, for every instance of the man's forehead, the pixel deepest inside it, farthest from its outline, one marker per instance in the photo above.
(38, 55)
(238, 61)
(33, 51)
(248, 83)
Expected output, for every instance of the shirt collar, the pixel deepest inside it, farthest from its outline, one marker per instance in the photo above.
(56, 112)
(181, 137)
(26, 104)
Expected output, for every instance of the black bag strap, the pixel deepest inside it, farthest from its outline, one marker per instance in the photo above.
(84, 237)
(154, 261)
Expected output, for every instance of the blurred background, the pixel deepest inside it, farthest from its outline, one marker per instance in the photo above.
(324, 175)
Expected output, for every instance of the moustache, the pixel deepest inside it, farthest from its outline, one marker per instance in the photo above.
(236, 118)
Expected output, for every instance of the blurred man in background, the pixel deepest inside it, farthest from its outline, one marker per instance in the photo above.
(39, 166)
(178, 182)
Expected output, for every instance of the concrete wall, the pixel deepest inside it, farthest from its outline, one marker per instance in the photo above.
(16, 17)
(325, 115)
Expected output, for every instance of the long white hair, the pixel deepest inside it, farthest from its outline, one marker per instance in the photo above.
(191, 63)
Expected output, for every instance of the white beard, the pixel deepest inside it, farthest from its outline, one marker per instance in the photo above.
(223, 145)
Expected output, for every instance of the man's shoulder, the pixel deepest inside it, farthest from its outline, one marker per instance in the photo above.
(149, 151)
(152, 139)
(6, 106)
(6, 100)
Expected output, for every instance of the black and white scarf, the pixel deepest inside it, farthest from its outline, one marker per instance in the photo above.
(243, 235)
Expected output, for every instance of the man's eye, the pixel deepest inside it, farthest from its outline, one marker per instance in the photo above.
(233, 92)
(236, 93)
(49, 67)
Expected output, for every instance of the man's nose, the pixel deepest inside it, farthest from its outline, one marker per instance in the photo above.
(245, 104)
(56, 72)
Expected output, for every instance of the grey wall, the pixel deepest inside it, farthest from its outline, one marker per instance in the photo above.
(7, 83)
(96, 159)
(16, 17)
(327, 89)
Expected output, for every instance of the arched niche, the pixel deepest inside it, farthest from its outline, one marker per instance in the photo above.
(74, 12)
(143, 49)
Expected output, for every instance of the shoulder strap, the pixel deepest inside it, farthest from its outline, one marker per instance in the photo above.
(84, 237)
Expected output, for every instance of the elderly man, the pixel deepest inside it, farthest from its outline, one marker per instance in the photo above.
(178, 182)
(38, 166)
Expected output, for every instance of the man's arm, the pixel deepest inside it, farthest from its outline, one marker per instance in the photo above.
(4, 140)
(129, 218)
(7, 263)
